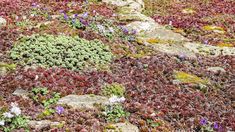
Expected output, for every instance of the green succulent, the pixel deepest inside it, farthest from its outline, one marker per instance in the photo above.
(63, 51)
(113, 89)
(113, 113)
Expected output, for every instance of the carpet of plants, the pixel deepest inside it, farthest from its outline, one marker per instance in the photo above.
(207, 21)
(56, 48)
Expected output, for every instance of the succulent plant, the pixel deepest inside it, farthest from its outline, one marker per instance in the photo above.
(113, 89)
(61, 51)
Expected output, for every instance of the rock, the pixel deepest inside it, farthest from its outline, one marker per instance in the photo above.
(150, 29)
(134, 5)
(133, 17)
(209, 50)
(55, 16)
(42, 124)
(83, 101)
(21, 92)
(3, 71)
(122, 127)
(216, 69)
(174, 49)
(141, 27)
(3, 21)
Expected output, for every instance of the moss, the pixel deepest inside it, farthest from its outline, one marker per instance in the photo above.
(214, 29)
(7, 66)
(112, 128)
(225, 45)
(113, 89)
(184, 77)
(153, 40)
(188, 11)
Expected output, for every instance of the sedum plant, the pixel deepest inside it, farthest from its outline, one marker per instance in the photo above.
(61, 51)
(40, 95)
(113, 89)
(113, 113)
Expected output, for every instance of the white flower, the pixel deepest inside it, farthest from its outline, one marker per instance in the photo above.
(15, 109)
(2, 123)
(36, 77)
(115, 99)
(170, 23)
(14, 105)
(16, 17)
(24, 17)
(32, 15)
(111, 29)
(8, 115)
(101, 28)
(153, 114)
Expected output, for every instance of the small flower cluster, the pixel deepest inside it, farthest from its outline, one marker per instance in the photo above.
(75, 20)
(59, 110)
(116, 99)
(12, 120)
(207, 125)
(14, 111)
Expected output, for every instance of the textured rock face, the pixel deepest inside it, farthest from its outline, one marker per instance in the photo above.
(21, 92)
(150, 29)
(133, 17)
(209, 50)
(134, 5)
(2, 21)
(83, 101)
(124, 127)
(216, 69)
(147, 28)
(42, 124)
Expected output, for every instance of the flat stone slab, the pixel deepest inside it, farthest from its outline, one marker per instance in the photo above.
(209, 50)
(152, 30)
(136, 16)
(123, 127)
(21, 92)
(136, 5)
(83, 101)
(216, 69)
(42, 124)
(174, 49)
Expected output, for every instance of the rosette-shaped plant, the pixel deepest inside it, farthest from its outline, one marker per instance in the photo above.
(61, 51)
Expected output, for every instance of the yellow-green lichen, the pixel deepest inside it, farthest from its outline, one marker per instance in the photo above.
(184, 77)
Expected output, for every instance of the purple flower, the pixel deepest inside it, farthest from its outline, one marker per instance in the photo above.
(84, 22)
(59, 109)
(86, 1)
(216, 125)
(66, 17)
(203, 121)
(206, 42)
(75, 15)
(182, 56)
(61, 11)
(85, 15)
(73, 21)
(134, 32)
(34, 4)
(125, 30)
